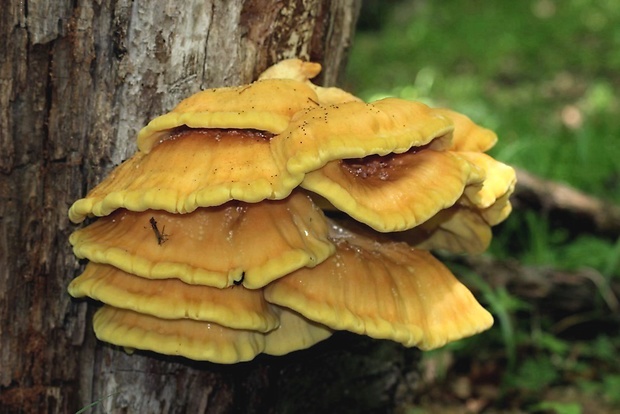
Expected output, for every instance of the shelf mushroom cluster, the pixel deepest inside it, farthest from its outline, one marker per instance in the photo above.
(261, 218)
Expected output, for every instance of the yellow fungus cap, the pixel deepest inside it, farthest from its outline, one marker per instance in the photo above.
(456, 229)
(294, 333)
(500, 180)
(216, 246)
(302, 71)
(196, 168)
(204, 341)
(397, 191)
(466, 226)
(498, 211)
(207, 167)
(355, 130)
(383, 290)
(201, 341)
(468, 136)
(235, 307)
(266, 105)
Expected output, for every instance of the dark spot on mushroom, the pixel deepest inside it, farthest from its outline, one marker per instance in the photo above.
(161, 236)
(379, 167)
(372, 166)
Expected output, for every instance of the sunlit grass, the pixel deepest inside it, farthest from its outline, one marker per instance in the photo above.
(545, 75)
(542, 73)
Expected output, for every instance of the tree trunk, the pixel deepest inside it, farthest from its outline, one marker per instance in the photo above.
(78, 79)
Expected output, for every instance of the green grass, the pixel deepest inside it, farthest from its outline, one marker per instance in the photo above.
(544, 74)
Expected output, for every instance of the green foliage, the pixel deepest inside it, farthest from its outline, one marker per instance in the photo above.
(557, 408)
(534, 374)
(529, 237)
(95, 403)
(503, 305)
(544, 74)
(611, 385)
(538, 360)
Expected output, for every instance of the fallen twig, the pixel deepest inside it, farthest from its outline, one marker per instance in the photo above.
(555, 291)
(574, 209)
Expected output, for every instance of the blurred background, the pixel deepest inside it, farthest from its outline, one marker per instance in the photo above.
(544, 74)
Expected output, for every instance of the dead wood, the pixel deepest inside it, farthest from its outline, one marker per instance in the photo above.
(557, 293)
(566, 206)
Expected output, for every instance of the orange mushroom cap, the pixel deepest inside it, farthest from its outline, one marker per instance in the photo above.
(201, 341)
(456, 229)
(216, 246)
(498, 211)
(468, 136)
(208, 167)
(301, 71)
(235, 307)
(384, 290)
(204, 341)
(466, 226)
(295, 69)
(394, 192)
(266, 105)
(355, 130)
(194, 168)
(500, 180)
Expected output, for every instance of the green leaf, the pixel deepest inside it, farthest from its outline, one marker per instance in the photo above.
(558, 407)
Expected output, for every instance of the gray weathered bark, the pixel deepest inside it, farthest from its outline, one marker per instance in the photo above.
(77, 81)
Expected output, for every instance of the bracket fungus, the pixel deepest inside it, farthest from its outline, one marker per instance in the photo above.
(264, 217)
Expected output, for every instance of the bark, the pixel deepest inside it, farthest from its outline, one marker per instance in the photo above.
(77, 81)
